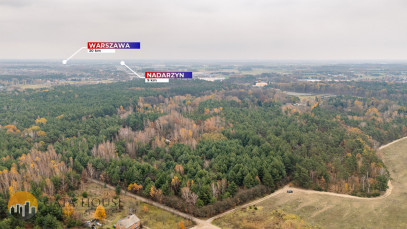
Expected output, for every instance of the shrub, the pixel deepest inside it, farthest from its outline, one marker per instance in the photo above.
(217, 207)
(84, 194)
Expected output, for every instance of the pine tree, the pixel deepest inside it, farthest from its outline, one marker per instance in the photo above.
(248, 181)
(268, 180)
(232, 189)
(118, 189)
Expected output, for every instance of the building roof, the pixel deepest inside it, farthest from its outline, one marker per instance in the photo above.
(128, 221)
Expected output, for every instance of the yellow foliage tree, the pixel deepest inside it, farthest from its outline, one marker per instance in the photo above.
(67, 210)
(175, 182)
(130, 187)
(41, 121)
(372, 111)
(35, 128)
(152, 191)
(11, 191)
(358, 103)
(41, 133)
(100, 213)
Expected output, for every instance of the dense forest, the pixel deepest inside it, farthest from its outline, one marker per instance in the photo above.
(396, 92)
(200, 147)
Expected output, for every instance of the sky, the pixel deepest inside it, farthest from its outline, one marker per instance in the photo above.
(207, 29)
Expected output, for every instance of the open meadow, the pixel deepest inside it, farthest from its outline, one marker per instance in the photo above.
(330, 211)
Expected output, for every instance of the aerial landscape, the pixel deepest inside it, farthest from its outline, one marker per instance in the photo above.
(298, 123)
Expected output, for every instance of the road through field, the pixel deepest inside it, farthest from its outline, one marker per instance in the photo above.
(298, 190)
(334, 210)
(207, 224)
(305, 191)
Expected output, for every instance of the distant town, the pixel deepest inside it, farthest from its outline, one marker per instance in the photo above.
(38, 74)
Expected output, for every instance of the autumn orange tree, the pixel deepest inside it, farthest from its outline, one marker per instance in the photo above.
(11, 129)
(100, 213)
(181, 225)
(134, 187)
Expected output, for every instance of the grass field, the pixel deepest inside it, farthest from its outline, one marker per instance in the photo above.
(257, 216)
(337, 212)
(150, 216)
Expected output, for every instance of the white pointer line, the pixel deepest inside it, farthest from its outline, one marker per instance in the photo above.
(135, 73)
(66, 61)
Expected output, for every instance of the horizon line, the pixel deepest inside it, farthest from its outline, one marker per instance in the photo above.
(219, 60)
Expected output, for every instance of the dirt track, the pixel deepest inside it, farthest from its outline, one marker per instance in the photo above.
(333, 210)
(207, 224)
(391, 143)
(298, 190)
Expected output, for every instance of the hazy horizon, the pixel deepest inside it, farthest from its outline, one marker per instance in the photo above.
(276, 30)
(203, 61)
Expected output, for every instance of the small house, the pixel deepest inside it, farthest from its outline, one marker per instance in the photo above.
(130, 222)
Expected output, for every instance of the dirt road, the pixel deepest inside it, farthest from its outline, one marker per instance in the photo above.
(201, 224)
(207, 224)
(299, 190)
(391, 143)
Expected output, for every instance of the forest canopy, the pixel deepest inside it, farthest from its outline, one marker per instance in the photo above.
(201, 147)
